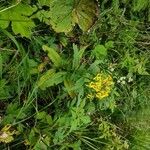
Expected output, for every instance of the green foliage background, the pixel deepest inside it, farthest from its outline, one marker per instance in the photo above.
(50, 50)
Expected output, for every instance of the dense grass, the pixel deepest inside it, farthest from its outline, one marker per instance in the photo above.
(47, 97)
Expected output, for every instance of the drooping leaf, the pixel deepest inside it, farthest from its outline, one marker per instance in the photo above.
(51, 78)
(71, 12)
(45, 77)
(18, 16)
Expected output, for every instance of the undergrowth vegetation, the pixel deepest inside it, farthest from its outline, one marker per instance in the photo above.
(75, 75)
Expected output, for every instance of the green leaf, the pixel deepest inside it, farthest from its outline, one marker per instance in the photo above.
(109, 44)
(86, 120)
(74, 125)
(44, 117)
(44, 2)
(41, 115)
(68, 85)
(33, 137)
(1, 65)
(53, 55)
(45, 77)
(85, 13)
(140, 4)
(18, 16)
(61, 20)
(90, 107)
(4, 90)
(71, 12)
(77, 56)
(100, 51)
(50, 78)
(49, 119)
(12, 111)
(75, 145)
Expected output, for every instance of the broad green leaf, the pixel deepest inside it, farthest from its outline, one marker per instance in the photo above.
(65, 14)
(50, 78)
(49, 119)
(61, 15)
(44, 116)
(41, 115)
(43, 16)
(85, 13)
(109, 44)
(4, 23)
(46, 77)
(40, 145)
(18, 16)
(53, 55)
(100, 51)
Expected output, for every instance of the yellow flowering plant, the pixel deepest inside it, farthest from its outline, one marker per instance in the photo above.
(101, 86)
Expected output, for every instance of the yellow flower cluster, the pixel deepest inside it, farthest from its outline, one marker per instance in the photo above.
(101, 85)
(6, 134)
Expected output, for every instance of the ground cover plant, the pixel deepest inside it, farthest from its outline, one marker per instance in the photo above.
(75, 75)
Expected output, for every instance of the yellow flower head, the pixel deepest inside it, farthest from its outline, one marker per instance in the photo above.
(6, 134)
(101, 85)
